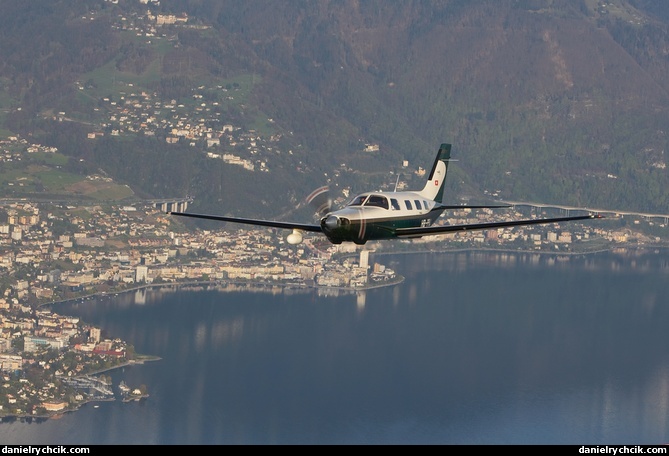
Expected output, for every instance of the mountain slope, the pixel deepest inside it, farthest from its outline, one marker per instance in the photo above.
(553, 101)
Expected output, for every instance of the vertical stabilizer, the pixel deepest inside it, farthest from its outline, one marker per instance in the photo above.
(434, 187)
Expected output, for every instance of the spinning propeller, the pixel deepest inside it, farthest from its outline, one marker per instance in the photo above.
(320, 200)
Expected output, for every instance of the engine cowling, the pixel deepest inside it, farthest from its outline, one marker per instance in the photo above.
(331, 222)
(336, 228)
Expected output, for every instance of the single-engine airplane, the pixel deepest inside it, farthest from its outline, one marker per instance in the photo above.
(389, 215)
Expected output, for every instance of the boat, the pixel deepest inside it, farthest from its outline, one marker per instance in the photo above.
(123, 387)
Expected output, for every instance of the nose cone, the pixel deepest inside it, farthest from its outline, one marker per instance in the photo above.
(331, 222)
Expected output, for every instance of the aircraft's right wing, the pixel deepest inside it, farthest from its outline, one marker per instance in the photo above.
(422, 231)
(271, 223)
(460, 206)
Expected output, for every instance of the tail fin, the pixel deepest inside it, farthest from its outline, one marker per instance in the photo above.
(434, 187)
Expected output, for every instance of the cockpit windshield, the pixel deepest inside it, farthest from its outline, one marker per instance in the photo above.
(377, 200)
(358, 200)
(370, 200)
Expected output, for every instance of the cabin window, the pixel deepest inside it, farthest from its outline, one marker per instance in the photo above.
(358, 200)
(377, 200)
(395, 205)
(408, 204)
(417, 204)
(427, 208)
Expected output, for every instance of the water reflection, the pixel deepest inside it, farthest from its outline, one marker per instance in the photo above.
(473, 347)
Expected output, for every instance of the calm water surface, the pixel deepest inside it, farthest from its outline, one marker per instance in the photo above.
(472, 348)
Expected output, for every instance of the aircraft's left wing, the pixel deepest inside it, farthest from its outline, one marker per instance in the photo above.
(271, 223)
(423, 231)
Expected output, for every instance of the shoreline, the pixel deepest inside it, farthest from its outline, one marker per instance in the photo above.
(526, 251)
(54, 415)
(397, 281)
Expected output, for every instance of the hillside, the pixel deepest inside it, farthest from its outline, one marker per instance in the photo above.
(551, 101)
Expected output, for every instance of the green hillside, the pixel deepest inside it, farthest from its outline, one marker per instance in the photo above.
(552, 101)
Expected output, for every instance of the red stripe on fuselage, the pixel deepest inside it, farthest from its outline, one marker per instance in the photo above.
(363, 226)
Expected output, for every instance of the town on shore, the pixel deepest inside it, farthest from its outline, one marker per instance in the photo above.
(51, 363)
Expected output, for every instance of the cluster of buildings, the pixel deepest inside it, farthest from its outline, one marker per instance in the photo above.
(52, 252)
(60, 252)
(196, 124)
(40, 351)
(197, 121)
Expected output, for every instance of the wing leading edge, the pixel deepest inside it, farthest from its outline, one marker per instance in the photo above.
(460, 206)
(271, 223)
(422, 231)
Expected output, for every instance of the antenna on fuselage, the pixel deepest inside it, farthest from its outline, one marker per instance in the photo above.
(397, 182)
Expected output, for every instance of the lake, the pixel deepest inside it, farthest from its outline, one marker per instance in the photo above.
(472, 348)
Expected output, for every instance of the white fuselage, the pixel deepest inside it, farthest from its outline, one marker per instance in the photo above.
(376, 215)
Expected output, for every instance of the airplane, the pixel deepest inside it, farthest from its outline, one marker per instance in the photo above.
(381, 215)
